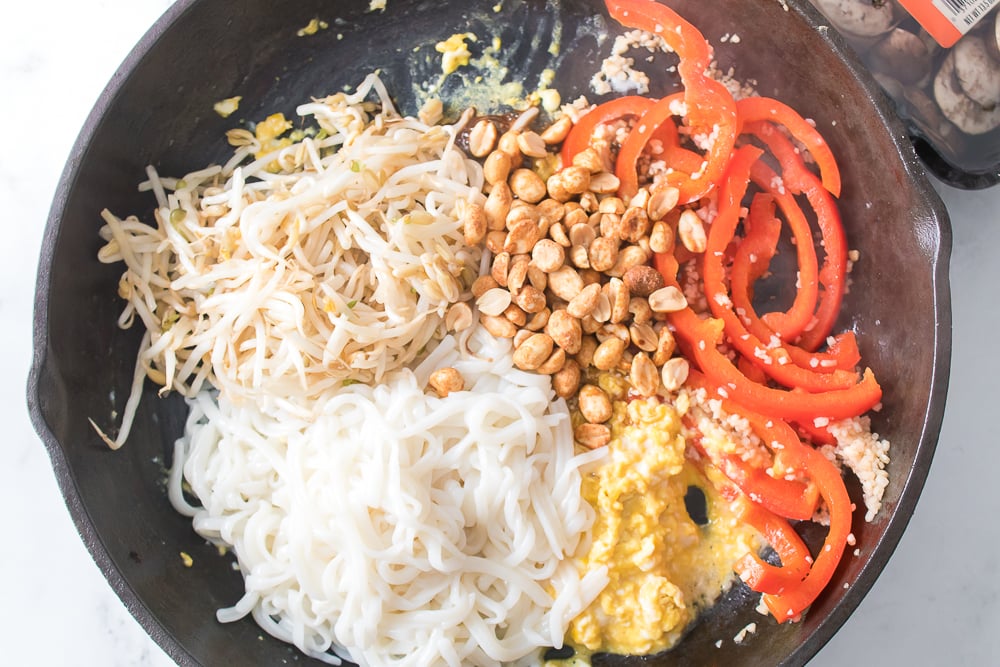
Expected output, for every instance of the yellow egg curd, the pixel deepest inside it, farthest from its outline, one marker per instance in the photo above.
(663, 567)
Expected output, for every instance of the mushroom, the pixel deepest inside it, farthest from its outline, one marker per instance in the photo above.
(967, 114)
(977, 71)
(864, 18)
(993, 37)
(901, 55)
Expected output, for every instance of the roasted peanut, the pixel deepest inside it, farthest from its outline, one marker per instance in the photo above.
(661, 237)
(530, 299)
(576, 180)
(616, 329)
(633, 225)
(550, 211)
(565, 330)
(661, 202)
(498, 205)
(531, 144)
(578, 257)
(602, 310)
(675, 373)
(482, 284)
(557, 232)
(495, 240)
(611, 205)
(514, 313)
(594, 404)
(494, 302)
(521, 210)
(507, 143)
(665, 346)
(608, 354)
(538, 278)
(557, 131)
(473, 224)
(533, 351)
(538, 320)
(522, 237)
(458, 317)
(619, 297)
(582, 234)
(592, 436)
(640, 311)
(589, 159)
(643, 337)
(554, 363)
(585, 356)
(521, 336)
(643, 375)
(482, 138)
(446, 380)
(557, 190)
(590, 324)
(565, 282)
(604, 182)
(642, 280)
(583, 303)
(527, 185)
(496, 167)
(566, 380)
(667, 299)
(692, 231)
(518, 272)
(501, 268)
(575, 216)
(548, 255)
(628, 256)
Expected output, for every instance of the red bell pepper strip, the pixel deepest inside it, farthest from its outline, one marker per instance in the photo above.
(773, 361)
(791, 323)
(752, 109)
(791, 603)
(832, 276)
(710, 107)
(764, 577)
(652, 123)
(750, 262)
(703, 337)
(789, 498)
(580, 135)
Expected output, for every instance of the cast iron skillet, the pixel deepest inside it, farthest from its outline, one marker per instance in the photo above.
(158, 110)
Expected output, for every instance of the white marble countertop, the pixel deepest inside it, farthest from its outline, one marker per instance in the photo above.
(937, 602)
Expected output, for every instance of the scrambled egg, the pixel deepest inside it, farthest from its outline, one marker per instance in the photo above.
(663, 567)
(455, 52)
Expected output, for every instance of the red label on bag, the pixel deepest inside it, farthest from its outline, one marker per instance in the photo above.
(947, 20)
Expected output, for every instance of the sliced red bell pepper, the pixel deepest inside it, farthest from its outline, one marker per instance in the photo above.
(764, 577)
(710, 107)
(579, 136)
(752, 109)
(791, 323)
(702, 337)
(772, 360)
(832, 276)
(789, 498)
(792, 602)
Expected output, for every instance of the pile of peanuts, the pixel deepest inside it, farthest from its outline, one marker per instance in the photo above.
(570, 281)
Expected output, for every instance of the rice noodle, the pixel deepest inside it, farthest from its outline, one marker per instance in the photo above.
(445, 535)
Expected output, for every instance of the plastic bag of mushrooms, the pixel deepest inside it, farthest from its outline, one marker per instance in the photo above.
(951, 96)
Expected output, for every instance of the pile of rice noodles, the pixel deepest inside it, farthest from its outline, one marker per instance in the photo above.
(442, 536)
(296, 301)
(332, 259)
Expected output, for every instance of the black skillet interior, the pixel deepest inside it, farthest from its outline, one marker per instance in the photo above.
(158, 110)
